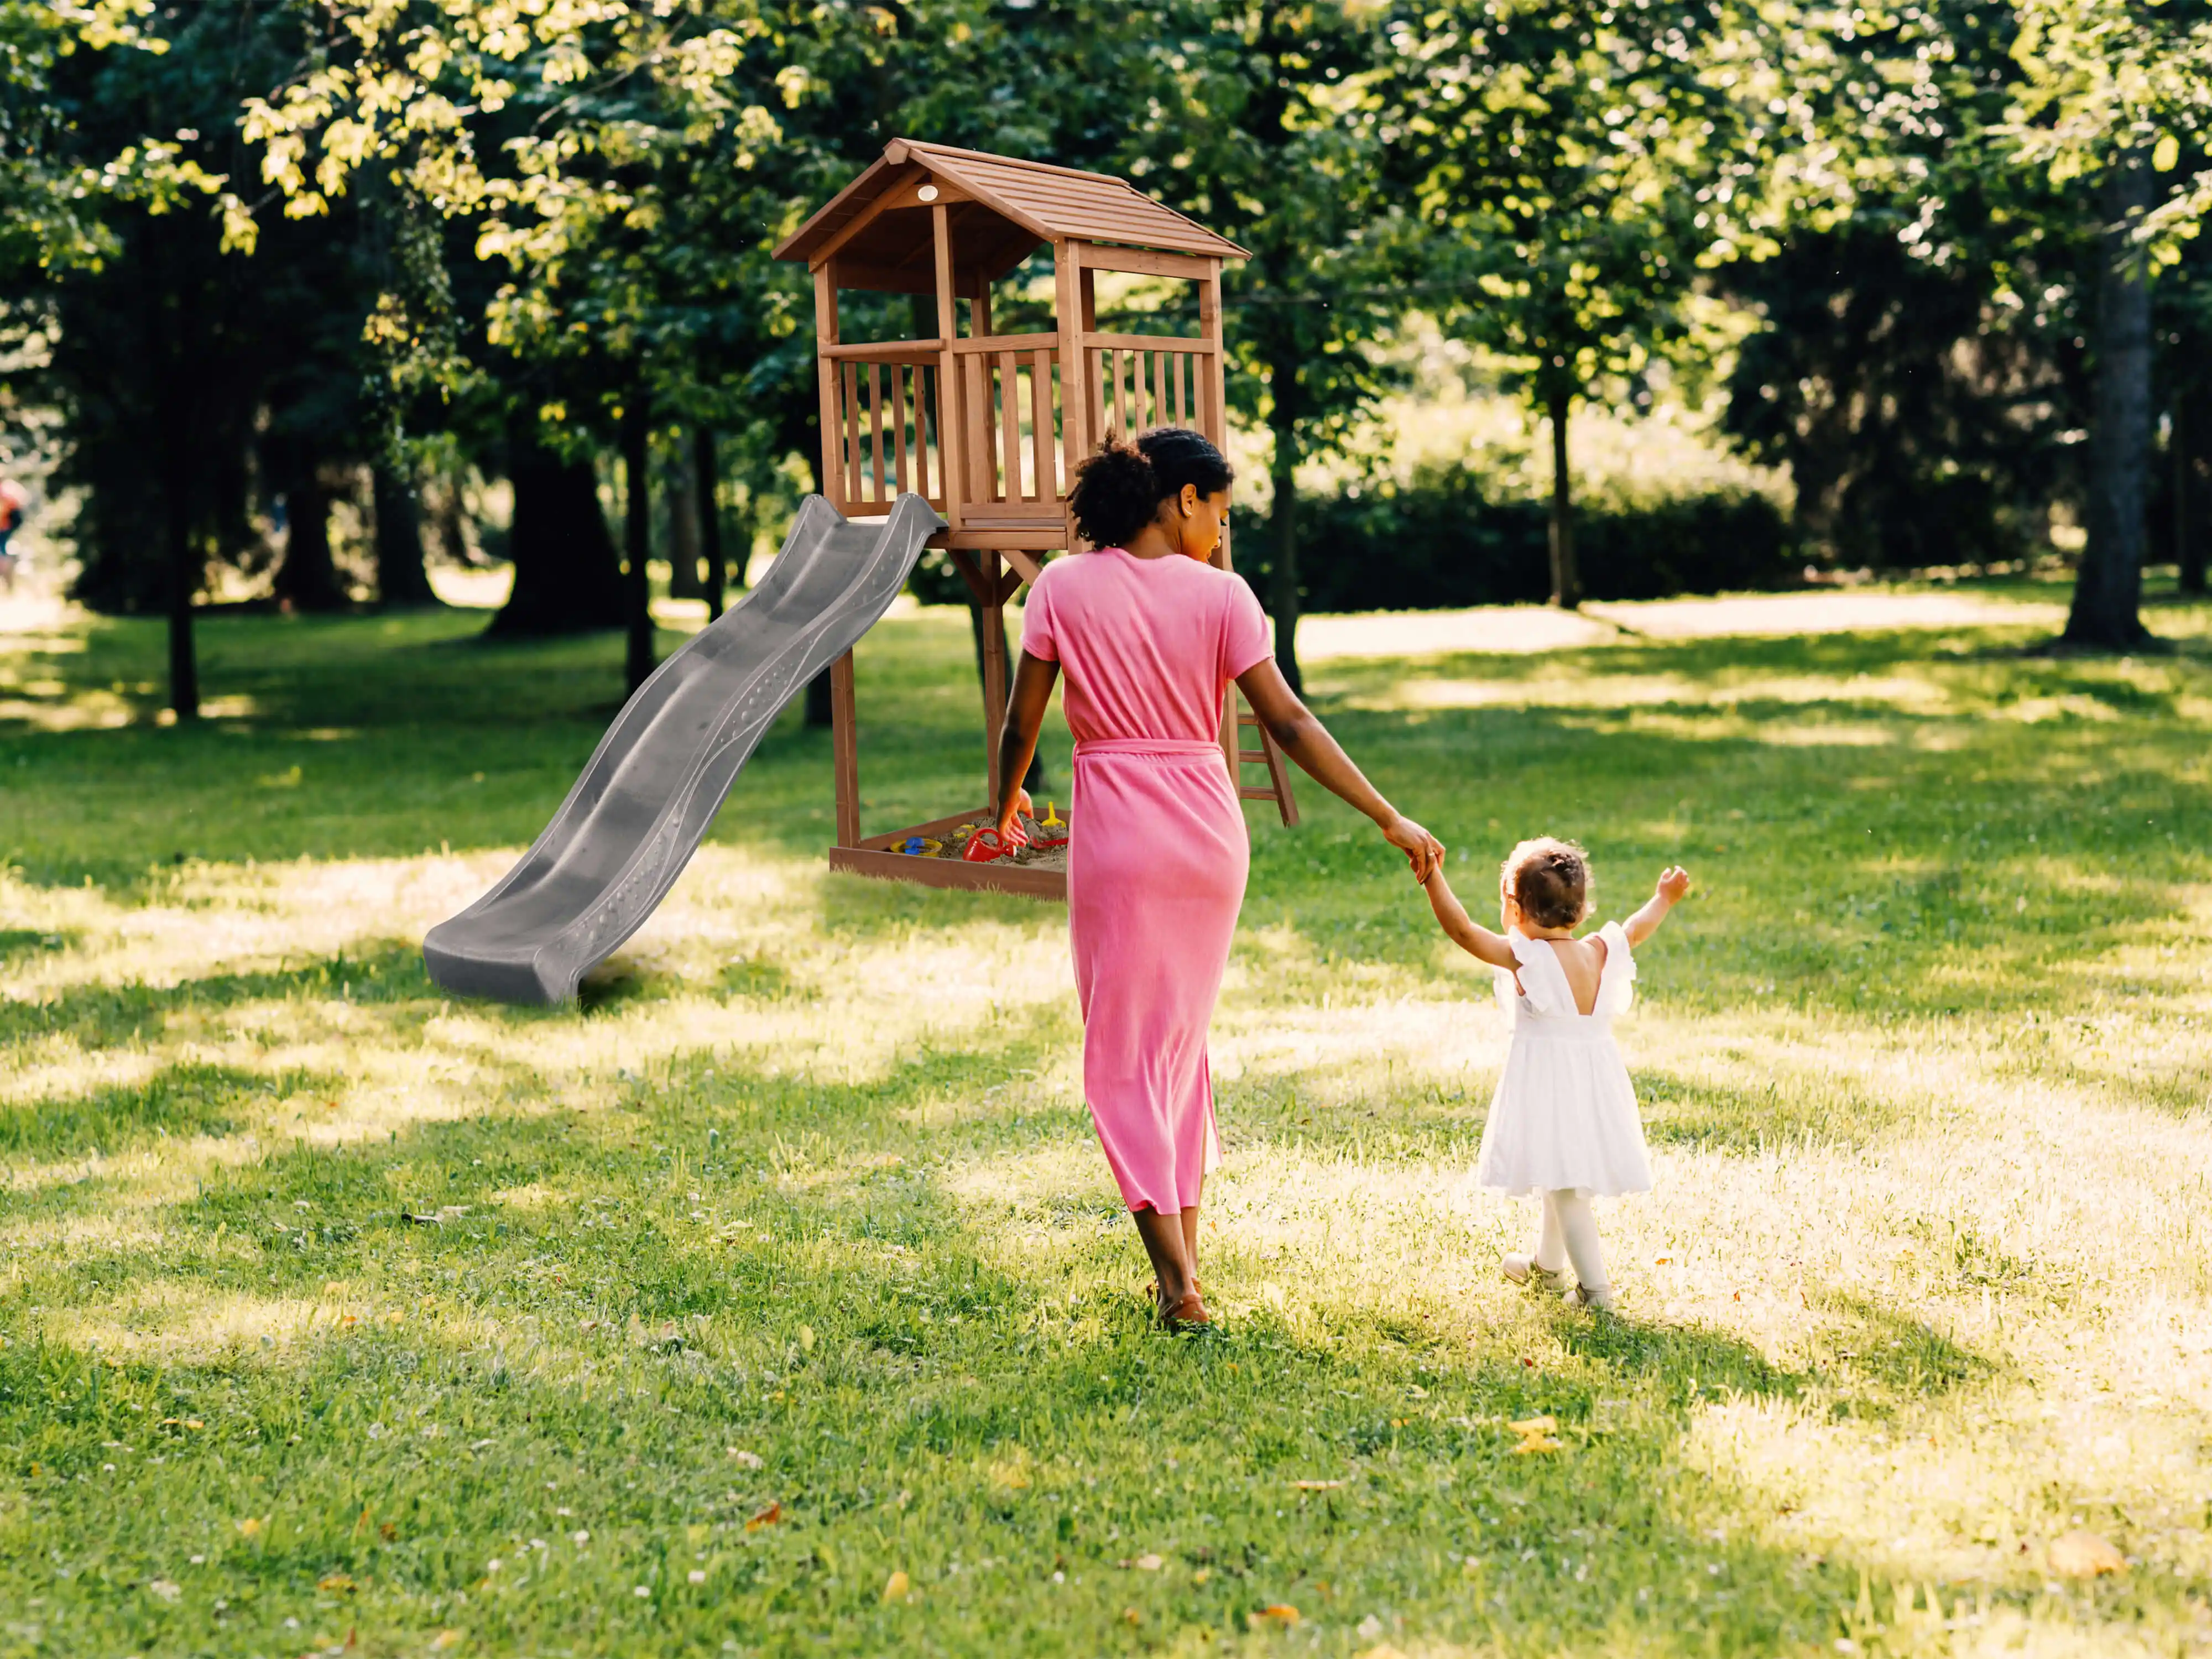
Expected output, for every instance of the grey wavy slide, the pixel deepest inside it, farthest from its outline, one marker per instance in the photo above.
(655, 781)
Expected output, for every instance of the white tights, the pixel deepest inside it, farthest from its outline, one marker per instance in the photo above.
(1569, 1234)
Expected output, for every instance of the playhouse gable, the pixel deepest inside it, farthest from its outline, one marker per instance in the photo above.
(878, 227)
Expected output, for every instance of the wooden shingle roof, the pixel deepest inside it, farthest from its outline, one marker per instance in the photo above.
(1034, 203)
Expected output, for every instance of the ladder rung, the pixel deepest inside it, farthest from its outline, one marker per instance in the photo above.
(1252, 756)
(1259, 794)
(1248, 720)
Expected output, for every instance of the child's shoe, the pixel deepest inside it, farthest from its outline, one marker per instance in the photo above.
(1521, 1268)
(1582, 1297)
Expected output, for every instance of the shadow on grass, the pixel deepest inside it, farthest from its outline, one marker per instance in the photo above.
(192, 1098)
(96, 1016)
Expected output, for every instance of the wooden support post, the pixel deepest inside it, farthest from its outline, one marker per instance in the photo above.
(845, 744)
(951, 429)
(994, 677)
(1213, 396)
(825, 334)
(1071, 300)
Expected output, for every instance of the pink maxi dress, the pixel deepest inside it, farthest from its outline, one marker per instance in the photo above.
(1158, 856)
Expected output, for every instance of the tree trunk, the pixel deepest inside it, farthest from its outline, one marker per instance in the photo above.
(401, 579)
(637, 537)
(1566, 577)
(681, 494)
(185, 570)
(2189, 499)
(1283, 520)
(307, 580)
(706, 477)
(2108, 591)
(567, 578)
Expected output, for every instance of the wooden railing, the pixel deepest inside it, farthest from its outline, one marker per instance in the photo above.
(1140, 380)
(1009, 448)
(1011, 419)
(888, 422)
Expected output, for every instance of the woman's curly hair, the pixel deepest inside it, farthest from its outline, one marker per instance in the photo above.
(1549, 880)
(1119, 489)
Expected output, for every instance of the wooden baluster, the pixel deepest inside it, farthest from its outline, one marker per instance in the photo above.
(1010, 414)
(977, 425)
(898, 423)
(915, 394)
(1121, 397)
(1176, 364)
(876, 425)
(1100, 418)
(851, 426)
(1043, 444)
(921, 426)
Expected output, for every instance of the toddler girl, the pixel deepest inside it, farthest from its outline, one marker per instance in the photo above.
(1564, 1122)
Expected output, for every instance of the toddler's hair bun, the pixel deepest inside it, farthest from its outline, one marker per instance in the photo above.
(1549, 880)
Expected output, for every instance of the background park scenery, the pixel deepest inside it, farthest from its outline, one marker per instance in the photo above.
(392, 384)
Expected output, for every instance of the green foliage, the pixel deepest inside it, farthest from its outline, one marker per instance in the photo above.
(1447, 537)
(1575, 165)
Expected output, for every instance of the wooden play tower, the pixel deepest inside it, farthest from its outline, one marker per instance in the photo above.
(989, 427)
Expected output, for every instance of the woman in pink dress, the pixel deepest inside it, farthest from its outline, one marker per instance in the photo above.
(1150, 634)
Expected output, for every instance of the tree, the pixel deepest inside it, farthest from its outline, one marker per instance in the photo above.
(1577, 161)
(1268, 133)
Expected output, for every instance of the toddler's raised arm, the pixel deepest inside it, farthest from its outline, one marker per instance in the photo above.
(1471, 936)
(1674, 882)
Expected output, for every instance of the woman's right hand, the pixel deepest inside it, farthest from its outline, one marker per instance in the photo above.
(1423, 850)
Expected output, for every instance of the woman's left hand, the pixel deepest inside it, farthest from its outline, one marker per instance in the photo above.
(1010, 828)
(1422, 850)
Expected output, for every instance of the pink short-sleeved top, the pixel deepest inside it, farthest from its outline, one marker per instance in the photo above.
(1148, 644)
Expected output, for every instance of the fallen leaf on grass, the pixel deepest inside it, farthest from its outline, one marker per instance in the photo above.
(1531, 1425)
(1536, 1442)
(336, 1582)
(1129, 1615)
(251, 1527)
(767, 1517)
(1315, 1485)
(1281, 1614)
(896, 1586)
(1142, 1563)
(447, 1639)
(2084, 1555)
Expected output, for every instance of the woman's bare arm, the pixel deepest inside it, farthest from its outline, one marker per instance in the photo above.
(1034, 678)
(1470, 935)
(1307, 741)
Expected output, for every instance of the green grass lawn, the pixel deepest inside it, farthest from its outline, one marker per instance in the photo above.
(778, 1300)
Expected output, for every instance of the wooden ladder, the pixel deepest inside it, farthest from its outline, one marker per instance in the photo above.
(1236, 722)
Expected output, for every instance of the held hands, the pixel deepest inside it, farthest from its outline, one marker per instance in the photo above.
(1674, 885)
(1422, 851)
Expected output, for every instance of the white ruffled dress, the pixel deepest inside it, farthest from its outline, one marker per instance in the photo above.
(1565, 1114)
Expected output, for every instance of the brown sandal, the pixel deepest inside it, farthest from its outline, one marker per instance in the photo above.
(1187, 1314)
